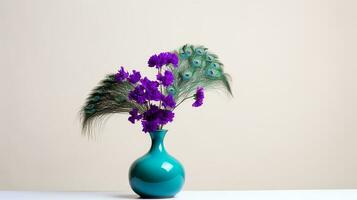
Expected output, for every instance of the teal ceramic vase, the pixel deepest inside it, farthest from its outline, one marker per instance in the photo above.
(156, 174)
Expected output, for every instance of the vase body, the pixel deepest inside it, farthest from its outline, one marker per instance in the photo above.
(156, 174)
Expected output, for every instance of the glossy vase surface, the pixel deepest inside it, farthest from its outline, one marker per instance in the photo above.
(156, 174)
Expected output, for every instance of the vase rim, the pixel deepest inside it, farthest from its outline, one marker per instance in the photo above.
(160, 130)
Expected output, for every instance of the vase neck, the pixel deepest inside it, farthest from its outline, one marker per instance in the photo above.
(157, 141)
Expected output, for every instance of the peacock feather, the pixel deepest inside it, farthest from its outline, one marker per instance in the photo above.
(197, 68)
(107, 98)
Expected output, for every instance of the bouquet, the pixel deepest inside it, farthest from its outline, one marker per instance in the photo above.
(182, 75)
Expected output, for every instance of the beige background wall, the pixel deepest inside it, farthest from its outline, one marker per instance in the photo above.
(291, 125)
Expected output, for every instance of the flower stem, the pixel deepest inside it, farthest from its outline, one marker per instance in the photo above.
(183, 101)
(160, 104)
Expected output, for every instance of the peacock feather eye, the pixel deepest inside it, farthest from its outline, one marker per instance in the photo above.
(89, 107)
(214, 65)
(182, 54)
(171, 90)
(199, 51)
(188, 51)
(196, 62)
(89, 112)
(210, 58)
(95, 99)
(187, 75)
(213, 73)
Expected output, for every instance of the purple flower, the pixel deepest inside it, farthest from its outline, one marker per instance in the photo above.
(150, 126)
(151, 119)
(164, 58)
(134, 77)
(153, 61)
(146, 90)
(159, 115)
(134, 115)
(169, 101)
(138, 94)
(174, 60)
(154, 117)
(151, 114)
(166, 79)
(199, 96)
(121, 75)
(151, 89)
(166, 116)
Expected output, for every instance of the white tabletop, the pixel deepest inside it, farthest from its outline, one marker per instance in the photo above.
(190, 195)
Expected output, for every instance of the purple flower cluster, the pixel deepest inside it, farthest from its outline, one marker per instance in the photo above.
(155, 107)
(199, 96)
(134, 115)
(134, 77)
(121, 75)
(151, 89)
(162, 59)
(167, 79)
(138, 94)
(168, 101)
(146, 92)
(154, 117)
